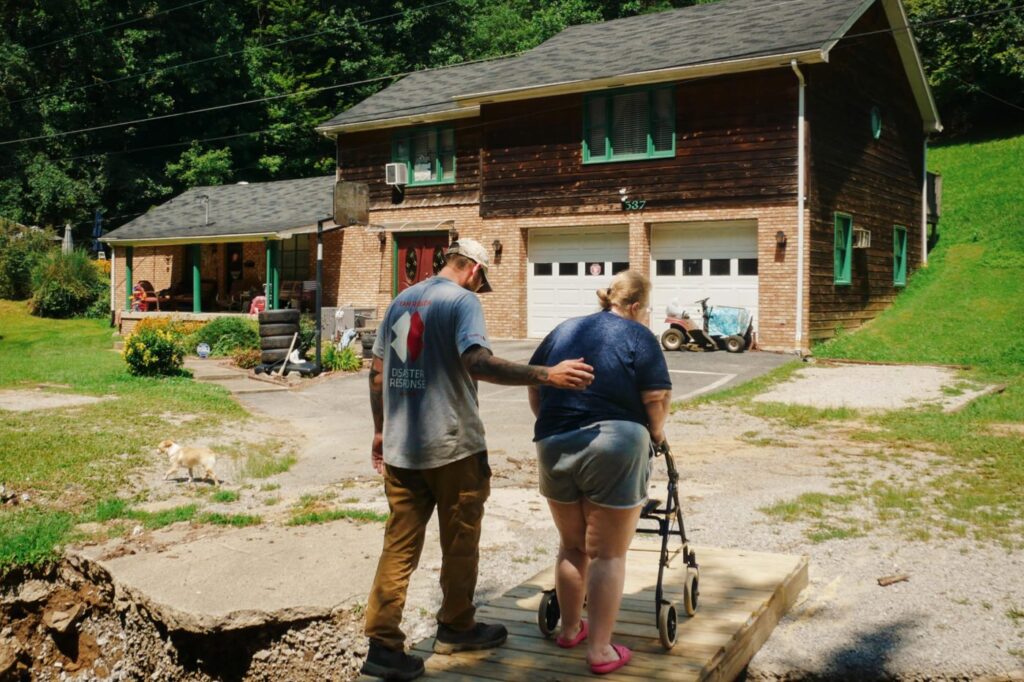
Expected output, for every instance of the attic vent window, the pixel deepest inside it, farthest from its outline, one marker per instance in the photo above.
(629, 125)
(876, 122)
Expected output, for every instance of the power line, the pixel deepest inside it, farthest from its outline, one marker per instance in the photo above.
(117, 25)
(223, 55)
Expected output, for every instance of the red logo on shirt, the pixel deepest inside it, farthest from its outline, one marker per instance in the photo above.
(408, 339)
(415, 339)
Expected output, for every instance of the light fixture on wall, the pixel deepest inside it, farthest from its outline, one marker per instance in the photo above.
(453, 235)
(780, 239)
(382, 237)
(497, 245)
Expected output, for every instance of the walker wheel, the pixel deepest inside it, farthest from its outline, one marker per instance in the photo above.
(690, 592)
(548, 613)
(667, 624)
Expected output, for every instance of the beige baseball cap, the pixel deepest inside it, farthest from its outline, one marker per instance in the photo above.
(475, 251)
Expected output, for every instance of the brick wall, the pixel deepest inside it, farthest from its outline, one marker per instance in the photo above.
(358, 268)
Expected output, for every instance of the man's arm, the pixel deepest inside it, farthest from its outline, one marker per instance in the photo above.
(377, 408)
(657, 404)
(483, 365)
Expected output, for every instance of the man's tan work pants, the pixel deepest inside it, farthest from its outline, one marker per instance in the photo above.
(459, 491)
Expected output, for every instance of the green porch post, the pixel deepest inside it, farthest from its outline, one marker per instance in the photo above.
(197, 306)
(277, 275)
(129, 254)
(268, 290)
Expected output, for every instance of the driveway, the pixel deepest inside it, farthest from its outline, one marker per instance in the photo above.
(333, 415)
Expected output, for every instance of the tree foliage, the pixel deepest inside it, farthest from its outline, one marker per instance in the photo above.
(69, 65)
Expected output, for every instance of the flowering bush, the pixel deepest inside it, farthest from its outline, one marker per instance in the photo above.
(152, 352)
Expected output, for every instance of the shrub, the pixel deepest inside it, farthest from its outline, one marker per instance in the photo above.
(21, 248)
(225, 335)
(246, 358)
(307, 333)
(65, 285)
(345, 359)
(152, 352)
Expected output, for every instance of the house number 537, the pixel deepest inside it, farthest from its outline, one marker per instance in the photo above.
(634, 204)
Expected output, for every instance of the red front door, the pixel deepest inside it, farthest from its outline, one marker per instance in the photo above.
(419, 257)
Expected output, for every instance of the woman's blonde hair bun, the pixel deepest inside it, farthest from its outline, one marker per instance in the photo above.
(628, 287)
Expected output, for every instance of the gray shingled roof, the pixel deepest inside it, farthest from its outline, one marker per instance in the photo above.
(731, 29)
(255, 208)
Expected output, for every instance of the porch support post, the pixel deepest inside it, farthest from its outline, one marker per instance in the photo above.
(129, 254)
(268, 289)
(197, 306)
(277, 274)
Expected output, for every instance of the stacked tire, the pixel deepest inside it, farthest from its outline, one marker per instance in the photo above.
(277, 329)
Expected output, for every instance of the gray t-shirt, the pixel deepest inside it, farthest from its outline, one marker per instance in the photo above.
(431, 415)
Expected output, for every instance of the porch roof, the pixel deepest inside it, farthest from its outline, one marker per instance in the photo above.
(240, 212)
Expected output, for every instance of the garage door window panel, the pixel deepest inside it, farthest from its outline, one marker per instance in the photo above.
(747, 267)
(693, 267)
(619, 266)
(720, 267)
(568, 269)
(629, 125)
(542, 269)
(665, 268)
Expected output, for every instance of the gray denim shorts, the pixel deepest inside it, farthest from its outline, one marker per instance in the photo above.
(607, 462)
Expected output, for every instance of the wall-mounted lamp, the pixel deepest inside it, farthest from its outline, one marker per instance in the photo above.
(382, 238)
(498, 246)
(780, 239)
(453, 235)
(623, 197)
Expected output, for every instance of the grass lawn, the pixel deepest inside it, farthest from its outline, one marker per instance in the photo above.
(69, 460)
(965, 308)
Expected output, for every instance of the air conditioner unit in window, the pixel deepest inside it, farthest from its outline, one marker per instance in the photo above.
(396, 174)
(861, 238)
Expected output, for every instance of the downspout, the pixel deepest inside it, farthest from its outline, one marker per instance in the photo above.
(924, 202)
(113, 278)
(801, 175)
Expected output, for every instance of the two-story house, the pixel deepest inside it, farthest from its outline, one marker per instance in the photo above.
(768, 155)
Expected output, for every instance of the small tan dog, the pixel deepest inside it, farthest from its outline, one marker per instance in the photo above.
(188, 458)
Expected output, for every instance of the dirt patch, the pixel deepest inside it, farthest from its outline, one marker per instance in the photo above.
(40, 399)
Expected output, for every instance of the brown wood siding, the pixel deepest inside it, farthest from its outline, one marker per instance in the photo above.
(363, 155)
(878, 182)
(735, 145)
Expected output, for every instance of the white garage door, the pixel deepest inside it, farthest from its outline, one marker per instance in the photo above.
(566, 267)
(691, 261)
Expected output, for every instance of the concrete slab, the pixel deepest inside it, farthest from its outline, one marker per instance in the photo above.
(38, 399)
(874, 387)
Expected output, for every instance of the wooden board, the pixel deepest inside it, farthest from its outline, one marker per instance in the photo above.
(743, 595)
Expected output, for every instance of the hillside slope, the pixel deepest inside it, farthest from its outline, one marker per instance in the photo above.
(967, 306)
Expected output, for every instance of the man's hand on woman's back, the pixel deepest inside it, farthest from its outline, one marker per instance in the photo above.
(573, 374)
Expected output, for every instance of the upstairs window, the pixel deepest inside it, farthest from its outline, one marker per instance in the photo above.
(429, 153)
(843, 248)
(630, 125)
(899, 255)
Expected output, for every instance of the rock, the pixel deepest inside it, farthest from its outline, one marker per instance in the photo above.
(61, 621)
(261, 655)
(32, 592)
(9, 651)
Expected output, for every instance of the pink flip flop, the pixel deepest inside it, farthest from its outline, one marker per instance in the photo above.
(611, 666)
(580, 636)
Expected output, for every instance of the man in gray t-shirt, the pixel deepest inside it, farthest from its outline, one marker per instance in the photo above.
(429, 444)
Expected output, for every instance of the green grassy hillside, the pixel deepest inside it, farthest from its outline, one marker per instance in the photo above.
(967, 306)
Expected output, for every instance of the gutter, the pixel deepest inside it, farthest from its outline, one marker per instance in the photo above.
(801, 181)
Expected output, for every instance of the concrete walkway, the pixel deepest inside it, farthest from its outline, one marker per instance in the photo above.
(222, 373)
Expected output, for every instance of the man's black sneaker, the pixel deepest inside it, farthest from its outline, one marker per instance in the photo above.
(480, 636)
(391, 665)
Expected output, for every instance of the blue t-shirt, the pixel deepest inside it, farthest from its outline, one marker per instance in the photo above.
(626, 359)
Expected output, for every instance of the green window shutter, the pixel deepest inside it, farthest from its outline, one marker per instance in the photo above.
(843, 248)
(595, 128)
(899, 255)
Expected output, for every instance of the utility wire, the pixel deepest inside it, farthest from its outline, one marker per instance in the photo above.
(223, 55)
(118, 24)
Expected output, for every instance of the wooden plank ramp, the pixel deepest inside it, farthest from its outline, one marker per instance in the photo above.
(743, 595)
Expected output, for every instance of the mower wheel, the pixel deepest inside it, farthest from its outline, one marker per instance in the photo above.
(667, 624)
(690, 591)
(672, 339)
(735, 344)
(548, 613)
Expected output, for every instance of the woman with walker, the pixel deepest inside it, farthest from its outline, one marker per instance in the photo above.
(593, 450)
